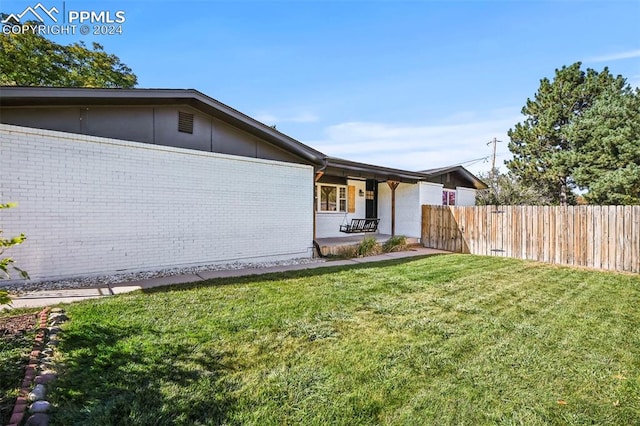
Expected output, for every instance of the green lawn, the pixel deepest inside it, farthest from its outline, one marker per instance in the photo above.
(440, 340)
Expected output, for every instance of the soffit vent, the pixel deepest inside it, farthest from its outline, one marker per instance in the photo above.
(185, 122)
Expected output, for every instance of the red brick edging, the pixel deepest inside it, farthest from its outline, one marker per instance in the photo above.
(20, 408)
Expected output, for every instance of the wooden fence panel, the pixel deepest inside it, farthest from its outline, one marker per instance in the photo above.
(635, 239)
(601, 237)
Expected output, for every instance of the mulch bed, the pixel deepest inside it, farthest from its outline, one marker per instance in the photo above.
(15, 339)
(14, 326)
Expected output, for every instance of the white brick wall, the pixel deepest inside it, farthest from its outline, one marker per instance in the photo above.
(92, 205)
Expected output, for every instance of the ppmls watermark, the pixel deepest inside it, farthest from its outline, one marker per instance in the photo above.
(54, 21)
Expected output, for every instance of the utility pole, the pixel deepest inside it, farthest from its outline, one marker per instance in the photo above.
(493, 161)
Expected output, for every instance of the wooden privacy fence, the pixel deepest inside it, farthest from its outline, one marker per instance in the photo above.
(602, 237)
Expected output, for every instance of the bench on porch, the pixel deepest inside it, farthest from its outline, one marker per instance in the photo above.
(360, 225)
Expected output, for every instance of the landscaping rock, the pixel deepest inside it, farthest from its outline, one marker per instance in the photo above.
(59, 316)
(47, 352)
(102, 281)
(40, 407)
(46, 365)
(57, 311)
(38, 393)
(45, 378)
(38, 419)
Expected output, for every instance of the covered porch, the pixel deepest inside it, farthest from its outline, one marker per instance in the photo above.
(347, 192)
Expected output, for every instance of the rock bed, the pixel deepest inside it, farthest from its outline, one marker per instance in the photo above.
(104, 280)
(40, 372)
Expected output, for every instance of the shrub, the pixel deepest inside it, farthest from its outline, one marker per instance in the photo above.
(4, 297)
(368, 247)
(7, 261)
(397, 243)
(344, 252)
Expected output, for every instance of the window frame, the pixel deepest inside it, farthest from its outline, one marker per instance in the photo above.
(341, 198)
(447, 201)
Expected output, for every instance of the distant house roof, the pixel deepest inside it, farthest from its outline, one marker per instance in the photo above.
(459, 170)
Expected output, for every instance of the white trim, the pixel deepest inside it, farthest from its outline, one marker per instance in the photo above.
(448, 192)
(338, 188)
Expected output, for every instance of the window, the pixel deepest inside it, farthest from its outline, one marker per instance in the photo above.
(448, 197)
(332, 198)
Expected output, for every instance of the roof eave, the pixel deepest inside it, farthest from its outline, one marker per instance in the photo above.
(41, 96)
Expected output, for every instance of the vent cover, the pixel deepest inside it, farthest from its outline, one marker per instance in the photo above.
(185, 122)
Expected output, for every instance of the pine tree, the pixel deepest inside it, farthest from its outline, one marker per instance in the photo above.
(540, 147)
(606, 137)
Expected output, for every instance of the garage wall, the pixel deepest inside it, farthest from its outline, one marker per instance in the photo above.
(91, 205)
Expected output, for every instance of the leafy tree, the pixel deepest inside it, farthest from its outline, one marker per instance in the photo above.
(508, 190)
(7, 261)
(606, 137)
(29, 59)
(540, 147)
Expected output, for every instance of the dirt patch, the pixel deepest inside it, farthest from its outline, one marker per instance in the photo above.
(14, 326)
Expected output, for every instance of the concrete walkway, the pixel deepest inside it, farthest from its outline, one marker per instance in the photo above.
(37, 299)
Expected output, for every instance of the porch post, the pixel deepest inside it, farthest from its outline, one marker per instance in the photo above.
(316, 179)
(393, 185)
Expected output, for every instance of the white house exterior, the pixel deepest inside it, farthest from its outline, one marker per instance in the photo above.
(451, 186)
(116, 180)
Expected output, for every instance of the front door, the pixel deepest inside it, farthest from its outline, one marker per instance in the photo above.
(372, 198)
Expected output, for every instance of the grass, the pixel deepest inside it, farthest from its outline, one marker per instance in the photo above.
(441, 340)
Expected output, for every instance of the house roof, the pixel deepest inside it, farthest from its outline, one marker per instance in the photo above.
(354, 169)
(71, 96)
(466, 174)
(51, 96)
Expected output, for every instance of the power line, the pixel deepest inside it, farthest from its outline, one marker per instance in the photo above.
(475, 160)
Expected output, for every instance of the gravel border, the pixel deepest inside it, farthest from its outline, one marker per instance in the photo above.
(104, 280)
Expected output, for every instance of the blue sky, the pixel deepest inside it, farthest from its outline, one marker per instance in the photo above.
(412, 85)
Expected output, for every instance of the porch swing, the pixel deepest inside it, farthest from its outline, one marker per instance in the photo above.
(359, 225)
